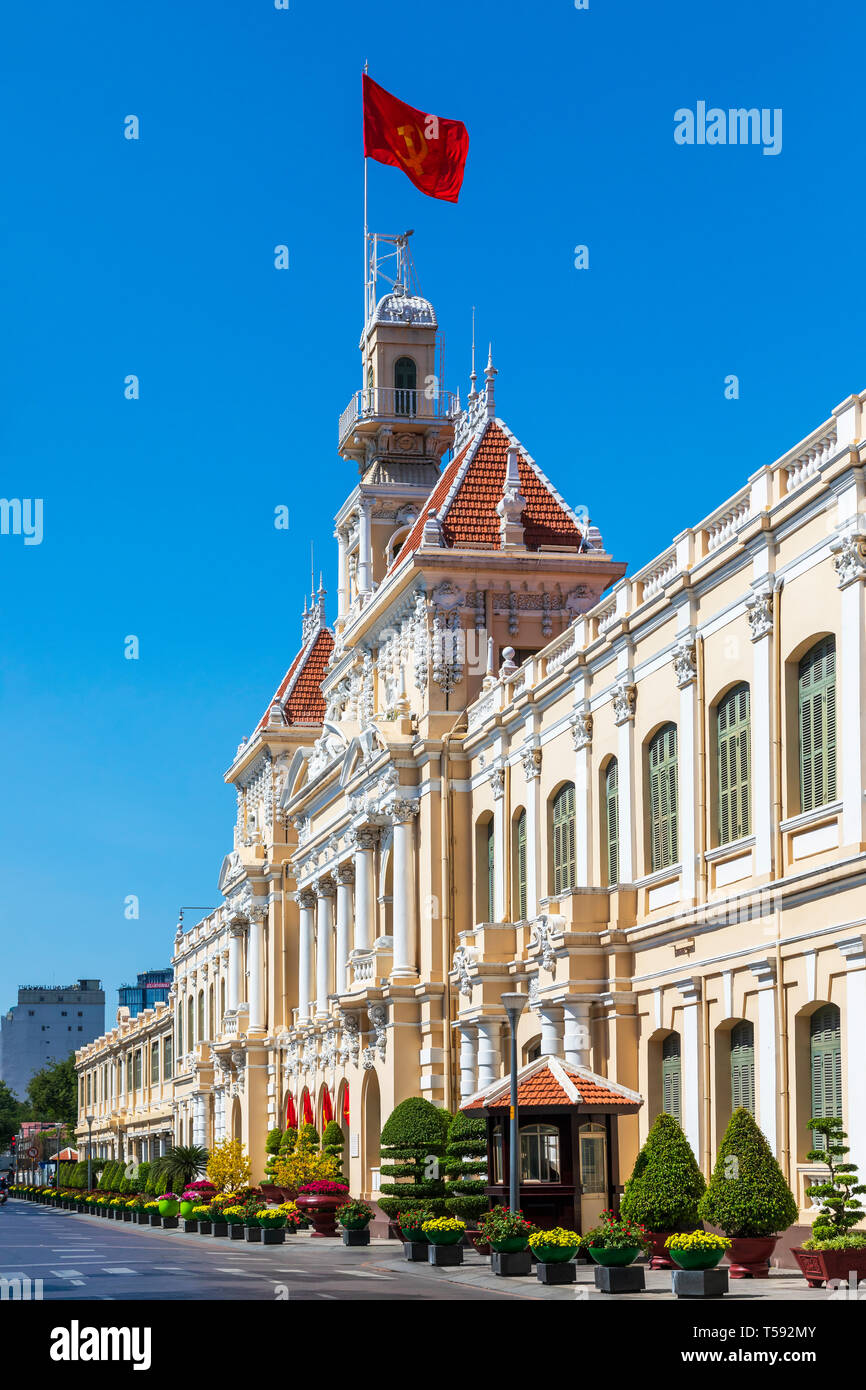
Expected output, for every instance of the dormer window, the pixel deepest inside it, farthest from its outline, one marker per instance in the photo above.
(405, 385)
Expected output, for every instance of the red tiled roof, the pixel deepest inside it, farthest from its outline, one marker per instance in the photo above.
(477, 475)
(538, 1085)
(301, 686)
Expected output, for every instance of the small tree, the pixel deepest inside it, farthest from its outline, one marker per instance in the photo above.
(308, 1139)
(142, 1176)
(747, 1195)
(666, 1183)
(412, 1148)
(182, 1163)
(332, 1144)
(838, 1199)
(273, 1141)
(466, 1167)
(229, 1167)
(289, 1142)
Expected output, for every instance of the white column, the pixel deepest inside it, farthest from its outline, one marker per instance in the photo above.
(345, 881)
(198, 1136)
(468, 1060)
(236, 931)
(551, 1030)
(364, 547)
(534, 888)
(759, 608)
(764, 972)
(326, 893)
(306, 931)
(489, 1051)
(686, 676)
(624, 698)
(577, 1039)
(257, 1020)
(343, 574)
(850, 565)
(405, 916)
(365, 887)
(854, 1105)
(690, 990)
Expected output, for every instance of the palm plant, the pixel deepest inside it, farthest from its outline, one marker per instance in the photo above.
(181, 1164)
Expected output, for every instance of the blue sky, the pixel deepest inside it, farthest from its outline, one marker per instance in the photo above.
(155, 257)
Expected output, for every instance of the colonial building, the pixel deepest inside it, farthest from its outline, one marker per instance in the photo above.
(507, 766)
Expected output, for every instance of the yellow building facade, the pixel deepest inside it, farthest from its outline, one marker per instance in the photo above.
(507, 765)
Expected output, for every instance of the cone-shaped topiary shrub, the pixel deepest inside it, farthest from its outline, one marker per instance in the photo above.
(666, 1183)
(308, 1138)
(747, 1195)
(466, 1167)
(840, 1198)
(273, 1141)
(289, 1142)
(412, 1148)
(332, 1145)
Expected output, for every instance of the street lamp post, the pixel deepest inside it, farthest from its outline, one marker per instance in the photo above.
(89, 1153)
(514, 1005)
(57, 1160)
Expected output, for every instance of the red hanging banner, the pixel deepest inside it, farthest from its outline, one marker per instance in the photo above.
(291, 1114)
(327, 1108)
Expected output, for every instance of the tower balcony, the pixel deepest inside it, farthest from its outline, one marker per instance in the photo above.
(395, 406)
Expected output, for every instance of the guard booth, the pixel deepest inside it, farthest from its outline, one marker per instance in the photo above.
(567, 1141)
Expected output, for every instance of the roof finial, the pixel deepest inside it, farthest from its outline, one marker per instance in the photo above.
(490, 374)
(473, 375)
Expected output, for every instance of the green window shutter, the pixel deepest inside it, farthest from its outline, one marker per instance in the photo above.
(664, 838)
(672, 1077)
(743, 1067)
(817, 701)
(733, 737)
(520, 859)
(825, 1046)
(611, 798)
(563, 839)
(491, 870)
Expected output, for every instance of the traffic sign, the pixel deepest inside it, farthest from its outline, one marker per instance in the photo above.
(32, 1152)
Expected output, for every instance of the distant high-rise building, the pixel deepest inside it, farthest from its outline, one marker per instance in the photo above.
(151, 987)
(46, 1025)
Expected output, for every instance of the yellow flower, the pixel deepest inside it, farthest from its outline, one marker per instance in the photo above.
(444, 1223)
(557, 1237)
(696, 1240)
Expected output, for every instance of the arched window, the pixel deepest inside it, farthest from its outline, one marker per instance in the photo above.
(222, 1002)
(129, 1071)
(136, 1069)
(167, 1059)
(211, 1030)
(200, 1014)
(485, 868)
(825, 1055)
(563, 839)
(539, 1153)
(520, 866)
(491, 871)
(190, 1039)
(664, 840)
(405, 382)
(733, 742)
(672, 1077)
(817, 702)
(743, 1067)
(611, 818)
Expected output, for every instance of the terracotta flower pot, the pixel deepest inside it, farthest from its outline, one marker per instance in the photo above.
(660, 1258)
(321, 1210)
(820, 1266)
(750, 1256)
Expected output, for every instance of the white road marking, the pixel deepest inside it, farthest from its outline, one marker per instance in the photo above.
(67, 1273)
(119, 1270)
(360, 1274)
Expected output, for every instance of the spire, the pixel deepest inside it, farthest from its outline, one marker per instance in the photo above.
(313, 619)
(473, 375)
(490, 374)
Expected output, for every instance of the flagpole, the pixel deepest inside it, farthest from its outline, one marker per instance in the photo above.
(366, 238)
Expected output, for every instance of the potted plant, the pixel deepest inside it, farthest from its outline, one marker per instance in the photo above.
(834, 1251)
(219, 1226)
(748, 1198)
(333, 1146)
(169, 1204)
(617, 1240)
(200, 1215)
(414, 1134)
(697, 1249)
(504, 1230)
(152, 1209)
(252, 1226)
(235, 1216)
(444, 1230)
(272, 1223)
(320, 1201)
(466, 1167)
(289, 1210)
(410, 1224)
(558, 1246)
(664, 1189)
(355, 1218)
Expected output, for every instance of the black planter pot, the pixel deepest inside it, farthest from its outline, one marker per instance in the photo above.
(236, 1231)
(357, 1237)
(204, 1228)
(253, 1234)
(155, 1218)
(141, 1218)
(219, 1228)
(274, 1236)
(170, 1223)
(189, 1225)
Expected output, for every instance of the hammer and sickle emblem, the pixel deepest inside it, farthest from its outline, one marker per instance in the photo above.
(416, 154)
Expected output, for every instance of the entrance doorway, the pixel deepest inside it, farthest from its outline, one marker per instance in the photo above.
(592, 1140)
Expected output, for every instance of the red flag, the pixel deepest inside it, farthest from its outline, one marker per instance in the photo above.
(307, 1107)
(429, 149)
(327, 1108)
(346, 1104)
(291, 1113)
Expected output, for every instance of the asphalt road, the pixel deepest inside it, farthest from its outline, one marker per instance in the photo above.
(88, 1257)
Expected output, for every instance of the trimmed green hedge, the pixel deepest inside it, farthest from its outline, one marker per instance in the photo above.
(747, 1195)
(666, 1183)
(412, 1147)
(466, 1167)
